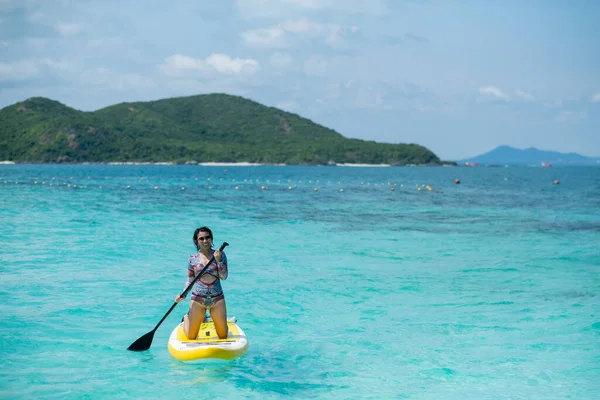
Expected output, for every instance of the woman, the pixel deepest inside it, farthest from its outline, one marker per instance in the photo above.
(207, 293)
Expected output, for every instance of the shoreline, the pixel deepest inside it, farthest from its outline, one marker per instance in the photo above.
(227, 164)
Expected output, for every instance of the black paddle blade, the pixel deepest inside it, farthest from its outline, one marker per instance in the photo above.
(143, 343)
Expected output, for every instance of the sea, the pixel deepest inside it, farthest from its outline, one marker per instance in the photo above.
(350, 283)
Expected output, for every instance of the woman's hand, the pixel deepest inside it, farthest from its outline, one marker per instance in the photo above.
(178, 298)
(217, 256)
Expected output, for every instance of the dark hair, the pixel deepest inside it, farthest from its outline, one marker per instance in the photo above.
(203, 229)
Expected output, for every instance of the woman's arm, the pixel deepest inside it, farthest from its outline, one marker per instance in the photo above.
(190, 274)
(222, 267)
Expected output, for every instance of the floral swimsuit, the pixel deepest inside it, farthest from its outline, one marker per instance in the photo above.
(207, 294)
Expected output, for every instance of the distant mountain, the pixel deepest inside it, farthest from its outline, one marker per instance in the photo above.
(531, 156)
(212, 127)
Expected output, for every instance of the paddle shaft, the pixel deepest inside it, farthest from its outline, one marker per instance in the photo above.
(189, 287)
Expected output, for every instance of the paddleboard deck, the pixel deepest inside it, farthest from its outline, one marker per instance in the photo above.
(207, 344)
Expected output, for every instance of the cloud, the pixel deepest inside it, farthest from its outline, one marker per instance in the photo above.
(280, 60)
(107, 78)
(524, 95)
(316, 66)
(570, 116)
(416, 38)
(595, 98)
(180, 65)
(287, 105)
(493, 92)
(285, 33)
(279, 8)
(18, 70)
(69, 29)
(264, 37)
(58, 65)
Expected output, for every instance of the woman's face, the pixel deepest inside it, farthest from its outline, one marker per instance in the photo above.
(204, 240)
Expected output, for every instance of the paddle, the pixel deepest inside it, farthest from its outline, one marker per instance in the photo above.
(144, 342)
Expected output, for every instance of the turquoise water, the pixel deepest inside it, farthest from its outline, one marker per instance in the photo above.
(489, 289)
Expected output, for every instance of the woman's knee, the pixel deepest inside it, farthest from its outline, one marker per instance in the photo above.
(223, 333)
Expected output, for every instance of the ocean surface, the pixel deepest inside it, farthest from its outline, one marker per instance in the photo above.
(351, 283)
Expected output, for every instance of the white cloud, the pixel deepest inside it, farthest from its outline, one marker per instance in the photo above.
(315, 65)
(180, 65)
(69, 29)
(35, 17)
(226, 65)
(494, 92)
(107, 78)
(58, 65)
(595, 98)
(423, 108)
(280, 60)
(300, 25)
(279, 8)
(368, 97)
(18, 70)
(524, 95)
(570, 116)
(286, 105)
(264, 37)
(277, 36)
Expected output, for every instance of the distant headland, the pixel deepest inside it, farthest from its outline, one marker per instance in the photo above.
(507, 155)
(212, 128)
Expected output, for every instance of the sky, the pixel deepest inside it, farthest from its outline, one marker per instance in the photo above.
(458, 77)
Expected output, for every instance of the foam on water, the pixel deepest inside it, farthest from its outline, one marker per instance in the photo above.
(487, 289)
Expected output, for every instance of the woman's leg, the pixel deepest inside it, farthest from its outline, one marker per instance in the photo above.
(193, 320)
(218, 313)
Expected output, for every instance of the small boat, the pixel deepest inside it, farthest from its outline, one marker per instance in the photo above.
(546, 164)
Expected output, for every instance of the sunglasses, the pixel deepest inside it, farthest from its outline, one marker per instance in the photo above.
(203, 238)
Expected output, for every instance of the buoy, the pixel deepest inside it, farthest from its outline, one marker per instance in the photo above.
(315, 190)
(457, 181)
(556, 182)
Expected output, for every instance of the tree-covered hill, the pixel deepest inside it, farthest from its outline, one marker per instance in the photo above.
(213, 127)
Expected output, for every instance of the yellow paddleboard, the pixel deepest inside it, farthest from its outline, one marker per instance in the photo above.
(207, 344)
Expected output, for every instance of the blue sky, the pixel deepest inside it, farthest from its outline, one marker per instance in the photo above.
(459, 77)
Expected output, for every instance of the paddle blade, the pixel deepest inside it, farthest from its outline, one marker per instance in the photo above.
(143, 343)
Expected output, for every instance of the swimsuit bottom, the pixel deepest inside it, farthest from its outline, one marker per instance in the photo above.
(207, 301)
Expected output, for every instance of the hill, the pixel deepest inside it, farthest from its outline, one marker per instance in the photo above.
(531, 156)
(203, 128)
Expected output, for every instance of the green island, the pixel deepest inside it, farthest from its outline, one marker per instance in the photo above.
(203, 128)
